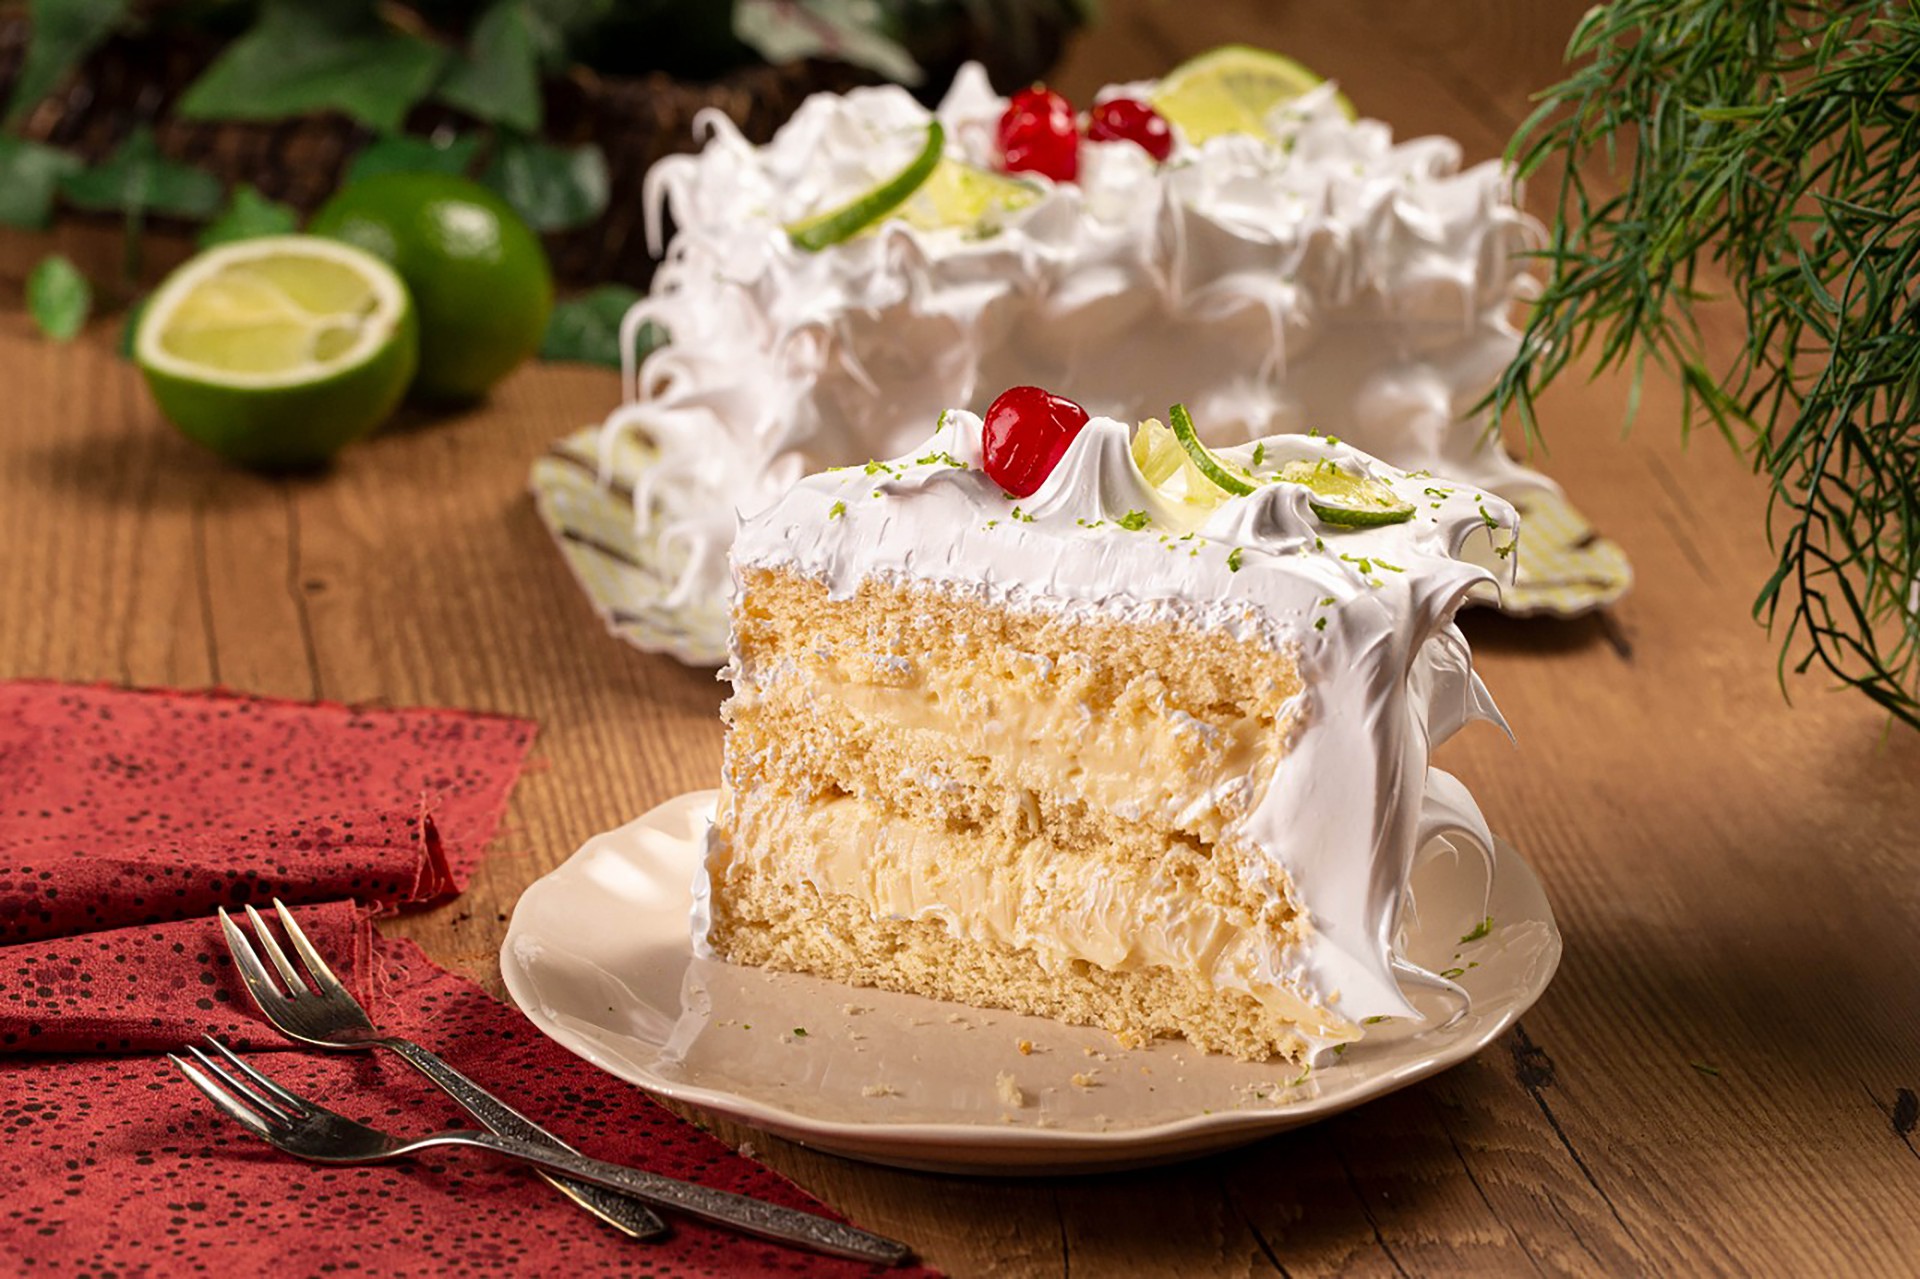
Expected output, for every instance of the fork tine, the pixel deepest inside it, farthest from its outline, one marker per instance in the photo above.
(259, 981)
(296, 985)
(289, 1100)
(232, 1109)
(235, 1087)
(323, 976)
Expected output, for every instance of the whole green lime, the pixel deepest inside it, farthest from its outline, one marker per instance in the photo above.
(478, 274)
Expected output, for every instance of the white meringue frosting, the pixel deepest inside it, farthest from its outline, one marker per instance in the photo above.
(1330, 279)
(1365, 613)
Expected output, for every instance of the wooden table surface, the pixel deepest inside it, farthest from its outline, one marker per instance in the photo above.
(1723, 1076)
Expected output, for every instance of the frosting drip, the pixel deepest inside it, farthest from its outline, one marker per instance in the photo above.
(1367, 614)
(1337, 281)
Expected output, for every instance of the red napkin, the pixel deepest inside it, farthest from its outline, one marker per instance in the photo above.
(125, 817)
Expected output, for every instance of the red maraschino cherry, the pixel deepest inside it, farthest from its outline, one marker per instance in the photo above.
(1026, 433)
(1130, 120)
(1038, 135)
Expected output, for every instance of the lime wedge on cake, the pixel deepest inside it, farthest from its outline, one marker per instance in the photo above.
(1233, 89)
(966, 196)
(1222, 474)
(1341, 497)
(825, 229)
(278, 351)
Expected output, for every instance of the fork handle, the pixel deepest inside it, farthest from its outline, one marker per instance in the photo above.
(750, 1216)
(623, 1213)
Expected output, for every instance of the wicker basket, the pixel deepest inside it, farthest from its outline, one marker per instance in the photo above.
(635, 122)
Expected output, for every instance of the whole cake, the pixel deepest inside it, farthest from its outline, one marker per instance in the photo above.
(1304, 272)
(1053, 715)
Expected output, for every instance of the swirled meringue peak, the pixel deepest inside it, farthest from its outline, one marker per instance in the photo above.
(1327, 279)
(1366, 613)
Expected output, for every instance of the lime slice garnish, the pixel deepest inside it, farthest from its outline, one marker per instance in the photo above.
(277, 351)
(1223, 475)
(1341, 497)
(1233, 89)
(963, 195)
(824, 229)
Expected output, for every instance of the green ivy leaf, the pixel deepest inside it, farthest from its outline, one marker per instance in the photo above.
(587, 328)
(499, 79)
(29, 175)
(137, 179)
(553, 188)
(248, 216)
(63, 33)
(59, 298)
(405, 153)
(303, 57)
(789, 30)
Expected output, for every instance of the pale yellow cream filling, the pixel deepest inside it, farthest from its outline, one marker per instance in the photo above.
(1140, 758)
(1063, 907)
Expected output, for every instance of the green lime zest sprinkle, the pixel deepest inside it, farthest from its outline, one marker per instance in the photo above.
(835, 511)
(1451, 973)
(1375, 1021)
(1391, 568)
(1319, 623)
(1022, 516)
(1480, 930)
(1340, 1050)
(1302, 1078)
(940, 457)
(1233, 559)
(1705, 1069)
(799, 1032)
(1486, 517)
(874, 468)
(1134, 521)
(1260, 452)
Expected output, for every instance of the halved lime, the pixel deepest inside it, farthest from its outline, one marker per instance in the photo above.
(824, 229)
(1341, 497)
(1223, 474)
(276, 352)
(966, 196)
(1233, 89)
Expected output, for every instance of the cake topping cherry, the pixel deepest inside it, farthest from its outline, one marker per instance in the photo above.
(1130, 120)
(1038, 135)
(1026, 433)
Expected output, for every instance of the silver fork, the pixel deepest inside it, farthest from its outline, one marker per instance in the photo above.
(325, 1014)
(310, 1131)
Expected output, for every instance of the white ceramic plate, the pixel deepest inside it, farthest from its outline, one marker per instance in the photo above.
(1566, 567)
(599, 957)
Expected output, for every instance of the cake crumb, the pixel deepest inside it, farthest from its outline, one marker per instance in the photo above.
(747, 1150)
(852, 1010)
(879, 1090)
(1026, 1047)
(1084, 1080)
(1007, 1088)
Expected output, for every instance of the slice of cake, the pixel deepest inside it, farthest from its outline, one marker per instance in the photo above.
(1314, 273)
(1047, 714)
